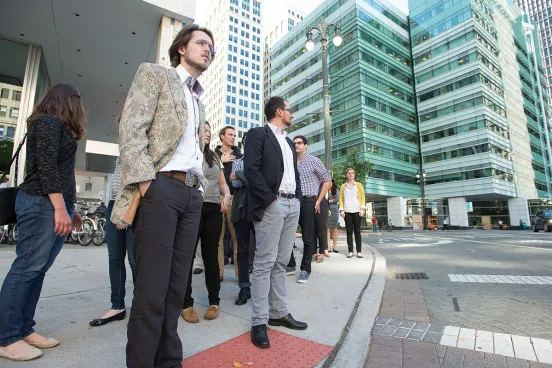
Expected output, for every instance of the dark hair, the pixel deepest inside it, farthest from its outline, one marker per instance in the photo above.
(63, 101)
(334, 187)
(222, 132)
(182, 39)
(272, 105)
(208, 155)
(303, 138)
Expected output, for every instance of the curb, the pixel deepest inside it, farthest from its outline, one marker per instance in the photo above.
(352, 349)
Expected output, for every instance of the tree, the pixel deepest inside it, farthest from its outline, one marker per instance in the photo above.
(354, 160)
(6, 150)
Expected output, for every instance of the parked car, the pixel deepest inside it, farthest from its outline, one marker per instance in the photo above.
(542, 221)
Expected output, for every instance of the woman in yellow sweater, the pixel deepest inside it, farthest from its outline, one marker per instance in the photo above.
(351, 207)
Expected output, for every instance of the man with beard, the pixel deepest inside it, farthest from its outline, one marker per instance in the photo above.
(161, 143)
(273, 205)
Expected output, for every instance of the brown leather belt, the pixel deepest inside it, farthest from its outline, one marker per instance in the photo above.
(179, 175)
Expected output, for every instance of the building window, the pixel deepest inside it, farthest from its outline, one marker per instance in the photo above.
(87, 187)
(11, 132)
(3, 110)
(14, 113)
(1, 130)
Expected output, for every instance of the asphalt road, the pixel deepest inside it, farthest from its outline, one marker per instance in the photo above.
(520, 309)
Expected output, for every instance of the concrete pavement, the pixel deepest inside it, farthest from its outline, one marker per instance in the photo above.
(474, 322)
(76, 290)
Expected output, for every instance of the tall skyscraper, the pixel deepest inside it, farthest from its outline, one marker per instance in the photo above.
(541, 12)
(233, 83)
(279, 17)
(455, 90)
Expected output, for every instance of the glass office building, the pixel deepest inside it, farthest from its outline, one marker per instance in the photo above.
(457, 89)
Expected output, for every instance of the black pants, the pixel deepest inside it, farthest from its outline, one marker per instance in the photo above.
(210, 227)
(119, 243)
(306, 221)
(243, 230)
(321, 230)
(165, 233)
(352, 223)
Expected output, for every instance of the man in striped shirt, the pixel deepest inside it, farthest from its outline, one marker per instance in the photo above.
(312, 172)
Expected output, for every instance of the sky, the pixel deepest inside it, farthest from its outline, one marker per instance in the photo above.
(305, 6)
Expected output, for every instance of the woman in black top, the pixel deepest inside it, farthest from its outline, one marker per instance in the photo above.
(45, 210)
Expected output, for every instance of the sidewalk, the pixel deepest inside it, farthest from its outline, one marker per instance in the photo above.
(76, 290)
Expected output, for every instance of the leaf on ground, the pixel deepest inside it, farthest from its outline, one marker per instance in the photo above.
(249, 363)
(237, 365)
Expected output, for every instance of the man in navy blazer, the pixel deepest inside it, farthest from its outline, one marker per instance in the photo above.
(273, 205)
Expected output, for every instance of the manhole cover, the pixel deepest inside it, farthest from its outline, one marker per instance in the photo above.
(411, 276)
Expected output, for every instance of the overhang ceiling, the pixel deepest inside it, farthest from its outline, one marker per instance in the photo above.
(95, 45)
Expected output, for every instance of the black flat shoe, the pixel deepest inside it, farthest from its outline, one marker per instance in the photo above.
(104, 321)
(259, 336)
(245, 293)
(335, 251)
(289, 322)
(197, 271)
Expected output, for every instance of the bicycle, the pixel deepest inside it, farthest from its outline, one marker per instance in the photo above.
(101, 229)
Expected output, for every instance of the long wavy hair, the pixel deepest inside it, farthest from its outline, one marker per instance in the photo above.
(63, 101)
(208, 154)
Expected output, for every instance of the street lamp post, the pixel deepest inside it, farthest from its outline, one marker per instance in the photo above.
(422, 181)
(324, 28)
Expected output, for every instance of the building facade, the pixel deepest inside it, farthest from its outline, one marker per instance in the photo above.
(540, 11)
(279, 17)
(454, 91)
(10, 99)
(233, 82)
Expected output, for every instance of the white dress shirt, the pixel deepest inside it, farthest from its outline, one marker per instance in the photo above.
(350, 197)
(288, 184)
(188, 156)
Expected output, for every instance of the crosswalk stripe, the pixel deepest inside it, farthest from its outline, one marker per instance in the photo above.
(501, 279)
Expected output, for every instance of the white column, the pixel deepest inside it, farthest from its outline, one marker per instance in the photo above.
(396, 210)
(25, 109)
(519, 210)
(168, 29)
(457, 211)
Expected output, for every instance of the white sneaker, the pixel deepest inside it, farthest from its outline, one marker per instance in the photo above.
(359, 255)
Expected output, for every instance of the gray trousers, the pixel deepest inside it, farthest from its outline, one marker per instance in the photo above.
(275, 236)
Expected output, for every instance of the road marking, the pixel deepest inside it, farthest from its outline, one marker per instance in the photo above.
(521, 347)
(410, 245)
(470, 249)
(501, 279)
(509, 245)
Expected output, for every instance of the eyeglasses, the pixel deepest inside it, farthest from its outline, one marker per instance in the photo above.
(288, 109)
(204, 43)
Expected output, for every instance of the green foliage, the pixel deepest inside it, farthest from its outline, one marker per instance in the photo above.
(361, 166)
(6, 148)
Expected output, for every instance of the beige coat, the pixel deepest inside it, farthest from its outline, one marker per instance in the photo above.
(154, 119)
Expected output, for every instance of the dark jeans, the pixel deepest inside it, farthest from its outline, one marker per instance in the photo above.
(36, 251)
(119, 243)
(306, 221)
(352, 223)
(321, 230)
(243, 230)
(165, 233)
(210, 227)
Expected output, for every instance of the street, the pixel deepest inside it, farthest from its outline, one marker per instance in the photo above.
(505, 304)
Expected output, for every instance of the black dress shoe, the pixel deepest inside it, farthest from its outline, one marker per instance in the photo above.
(259, 336)
(245, 293)
(288, 322)
(105, 321)
(197, 271)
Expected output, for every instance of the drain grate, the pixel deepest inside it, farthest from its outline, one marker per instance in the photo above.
(411, 276)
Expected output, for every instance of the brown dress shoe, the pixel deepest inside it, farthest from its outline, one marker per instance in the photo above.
(189, 314)
(212, 312)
